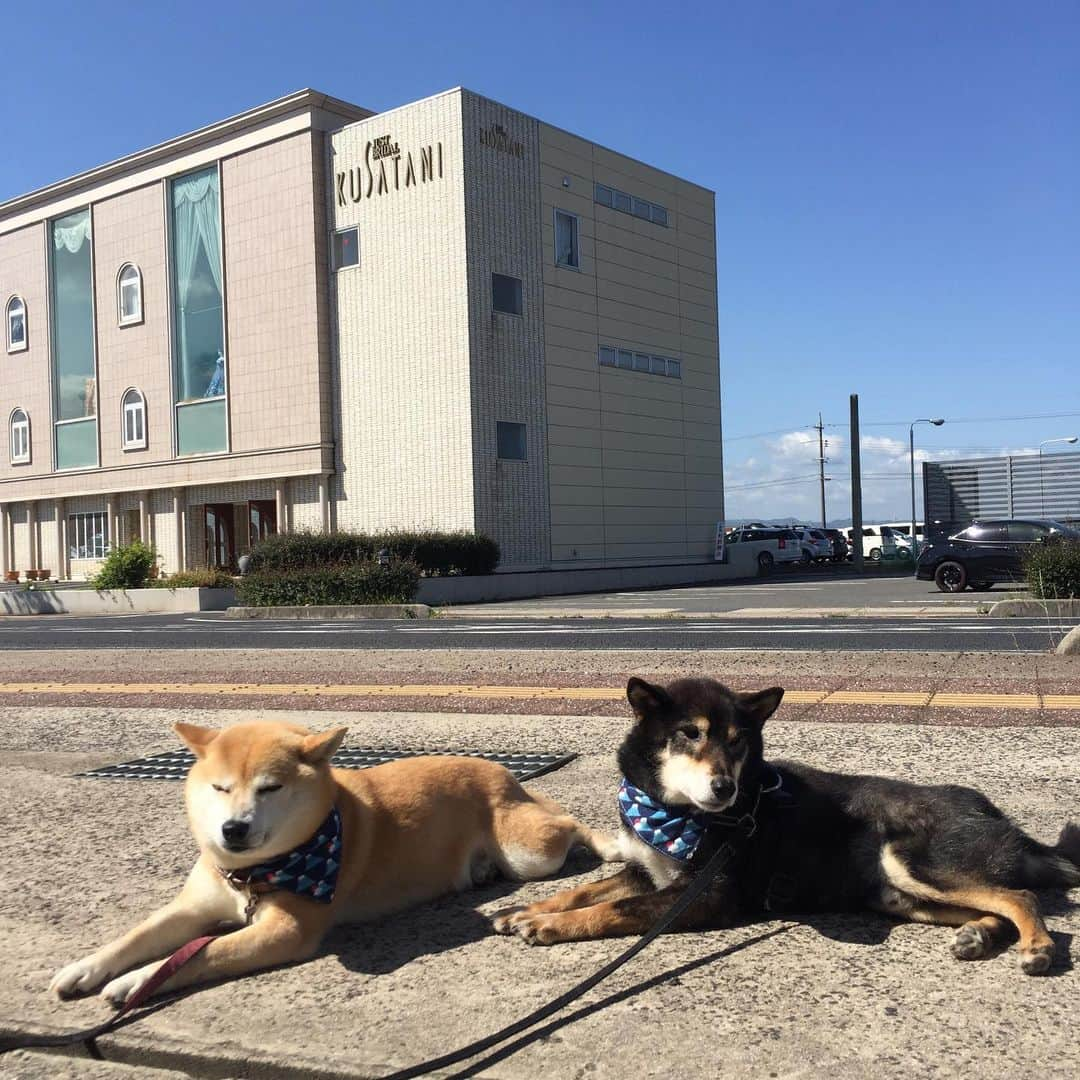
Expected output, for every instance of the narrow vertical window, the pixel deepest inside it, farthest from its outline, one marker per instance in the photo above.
(19, 425)
(198, 313)
(129, 295)
(346, 248)
(510, 439)
(16, 324)
(506, 294)
(566, 240)
(133, 420)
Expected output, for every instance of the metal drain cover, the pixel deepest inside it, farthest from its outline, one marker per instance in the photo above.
(174, 764)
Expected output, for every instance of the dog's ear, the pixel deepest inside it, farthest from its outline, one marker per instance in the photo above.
(197, 739)
(319, 748)
(646, 699)
(760, 705)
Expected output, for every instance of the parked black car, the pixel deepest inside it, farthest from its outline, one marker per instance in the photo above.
(985, 552)
(840, 547)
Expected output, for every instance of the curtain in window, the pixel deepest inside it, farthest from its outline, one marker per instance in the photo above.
(196, 232)
(72, 232)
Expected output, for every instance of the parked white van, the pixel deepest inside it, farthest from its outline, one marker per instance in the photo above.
(882, 542)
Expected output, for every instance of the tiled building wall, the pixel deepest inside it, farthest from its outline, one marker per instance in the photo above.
(636, 465)
(502, 217)
(131, 228)
(403, 355)
(268, 217)
(25, 380)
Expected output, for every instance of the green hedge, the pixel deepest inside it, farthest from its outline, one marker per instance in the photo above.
(195, 579)
(1053, 570)
(358, 583)
(126, 567)
(437, 554)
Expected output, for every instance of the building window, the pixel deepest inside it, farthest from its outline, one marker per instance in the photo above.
(630, 204)
(88, 535)
(19, 425)
(506, 294)
(511, 441)
(133, 409)
(198, 313)
(346, 248)
(73, 361)
(129, 295)
(628, 360)
(16, 324)
(566, 240)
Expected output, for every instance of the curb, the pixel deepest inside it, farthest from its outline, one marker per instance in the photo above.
(342, 611)
(1036, 608)
(1069, 645)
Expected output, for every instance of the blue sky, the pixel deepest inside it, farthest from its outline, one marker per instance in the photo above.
(897, 185)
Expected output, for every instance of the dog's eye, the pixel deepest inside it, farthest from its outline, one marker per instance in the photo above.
(267, 789)
(736, 740)
(220, 787)
(691, 731)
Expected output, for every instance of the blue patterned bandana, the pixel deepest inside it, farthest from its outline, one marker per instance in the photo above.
(311, 870)
(674, 834)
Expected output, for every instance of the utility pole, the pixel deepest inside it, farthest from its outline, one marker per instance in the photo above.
(821, 465)
(856, 488)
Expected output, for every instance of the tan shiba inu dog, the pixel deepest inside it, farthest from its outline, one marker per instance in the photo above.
(291, 847)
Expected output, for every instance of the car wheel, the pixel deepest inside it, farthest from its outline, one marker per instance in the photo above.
(874, 554)
(903, 553)
(980, 586)
(764, 563)
(950, 576)
(807, 558)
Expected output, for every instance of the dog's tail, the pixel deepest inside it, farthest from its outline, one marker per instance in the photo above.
(1056, 867)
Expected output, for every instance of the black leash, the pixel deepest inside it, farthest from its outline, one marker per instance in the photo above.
(702, 880)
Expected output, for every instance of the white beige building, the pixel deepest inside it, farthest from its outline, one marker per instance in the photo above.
(447, 315)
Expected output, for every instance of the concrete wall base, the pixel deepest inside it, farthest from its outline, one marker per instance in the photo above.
(112, 601)
(1036, 609)
(520, 586)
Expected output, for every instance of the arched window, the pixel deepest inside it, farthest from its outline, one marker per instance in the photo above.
(133, 420)
(129, 294)
(20, 437)
(16, 324)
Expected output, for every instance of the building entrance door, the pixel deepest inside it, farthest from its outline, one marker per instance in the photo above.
(220, 538)
(262, 520)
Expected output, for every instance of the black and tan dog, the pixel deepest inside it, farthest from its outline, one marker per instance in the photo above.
(798, 839)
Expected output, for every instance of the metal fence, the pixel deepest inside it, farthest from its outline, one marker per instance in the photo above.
(1027, 485)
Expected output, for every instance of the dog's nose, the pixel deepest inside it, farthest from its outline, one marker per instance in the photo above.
(234, 831)
(723, 787)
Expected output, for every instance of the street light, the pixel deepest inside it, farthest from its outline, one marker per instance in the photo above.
(911, 443)
(1042, 493)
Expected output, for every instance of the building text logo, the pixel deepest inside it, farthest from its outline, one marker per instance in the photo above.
(498, 138)
(386, 169)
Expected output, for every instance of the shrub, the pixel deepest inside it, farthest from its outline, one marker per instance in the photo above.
(126, 567)
(196, 579)
(1053, 570)
(437, 554)
(358, 583)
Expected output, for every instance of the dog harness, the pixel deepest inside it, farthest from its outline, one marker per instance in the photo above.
(676, 831)
(311, 870)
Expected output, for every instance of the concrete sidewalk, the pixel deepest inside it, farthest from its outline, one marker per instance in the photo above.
(845, 996)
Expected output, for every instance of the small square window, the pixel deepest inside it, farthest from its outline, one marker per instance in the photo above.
(566, 240)
(506, 294)
(642, 209)
(510, 439)
(674, 369)
(622, 202)
(607, 356)
(604, 195)
(346, 248)
(659, 365)
(642, 363)
(626, 359)
(659, 214)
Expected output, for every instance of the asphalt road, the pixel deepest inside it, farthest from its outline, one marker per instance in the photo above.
(966, 633)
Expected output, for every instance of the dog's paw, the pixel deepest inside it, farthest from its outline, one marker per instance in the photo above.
(81, 977)
(536, 929)
(1037, 961)
(502, 922)
(972, 942)
(121, 989)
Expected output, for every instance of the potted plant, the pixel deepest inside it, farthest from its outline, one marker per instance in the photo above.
(11, 575)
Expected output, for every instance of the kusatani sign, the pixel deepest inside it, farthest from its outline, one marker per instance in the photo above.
(386, 169)
(498, 138)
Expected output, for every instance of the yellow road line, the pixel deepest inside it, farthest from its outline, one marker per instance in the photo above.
(909, 698)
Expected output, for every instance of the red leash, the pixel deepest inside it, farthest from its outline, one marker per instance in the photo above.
(165, 972)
